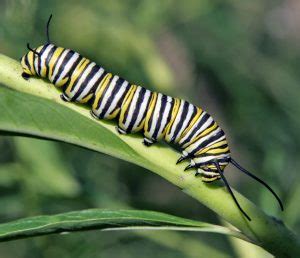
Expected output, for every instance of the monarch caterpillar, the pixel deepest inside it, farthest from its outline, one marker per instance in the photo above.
(157, 116)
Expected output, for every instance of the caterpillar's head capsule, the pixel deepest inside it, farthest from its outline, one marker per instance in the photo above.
(30, 62)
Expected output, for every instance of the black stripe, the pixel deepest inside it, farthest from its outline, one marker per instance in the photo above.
(160, 115)
(70, 72)
(27, 62)
(196, 128)
(79, 76)
(128, 108)
(146, 109)
(182, 118)
(206, 142)
(150, 120)
(120, 102)
(56, 62)
(137, 108)
(220, 147)
(62, 66)
(103, 94)
(113, 94)
(40, 58)
(33, 62)
(95, 87)
(225, 159)
(74, 66)
(170, 112)
(48, 58)
(191, 118)
(212, 154)
(86, 81)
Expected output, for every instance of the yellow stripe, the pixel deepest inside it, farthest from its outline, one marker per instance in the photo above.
(62, 82)
(113, 114)
(215, 145)
(30, 60)
(39, 50)
(86, 98)
(195, 119)
(24, 66)
(103, 84)
(175, 111)
(140, 126)
(76, 74)
(218, 151)
(150, 110)
(211, 166)
(43, 66)
(206, 179)
(53, 59)
(68, 89)
(125, 106)
(204, 133)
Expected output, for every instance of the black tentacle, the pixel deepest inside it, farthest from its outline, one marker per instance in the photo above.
(47, 29)
(257, 179)
(229, 189)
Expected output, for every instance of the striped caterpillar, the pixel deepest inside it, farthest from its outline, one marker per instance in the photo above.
(136, 109)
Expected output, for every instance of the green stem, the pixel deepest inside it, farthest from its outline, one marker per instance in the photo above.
(266, 231)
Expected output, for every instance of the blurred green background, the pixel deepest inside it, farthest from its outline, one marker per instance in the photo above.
(239, 60)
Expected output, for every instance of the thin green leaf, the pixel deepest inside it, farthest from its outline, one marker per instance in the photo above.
(104, 220)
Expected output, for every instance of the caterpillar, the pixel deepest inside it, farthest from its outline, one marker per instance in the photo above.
(136, 109)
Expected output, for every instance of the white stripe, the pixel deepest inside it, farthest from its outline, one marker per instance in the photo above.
(208, 173)
(45, 55)
(83, 76)
(217, 140)
(117, 98)
(177, 119)
(193, 127)
(36, 63)
(142, 109)
(91, 84)
(194, 146)
(107, 93)
(200, 130)
(68, 66)
(132, 106)
(188, 117)
(199, 160)
(165, 116)
(57, 66)
(155, 115)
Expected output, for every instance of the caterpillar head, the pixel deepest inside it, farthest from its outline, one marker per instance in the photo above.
(31, 61)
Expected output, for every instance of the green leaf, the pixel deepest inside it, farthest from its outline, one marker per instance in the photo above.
(38, 111)
(104, 220)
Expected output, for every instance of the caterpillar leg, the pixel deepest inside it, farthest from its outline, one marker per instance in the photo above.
(120, 130)
(183, 157)
(25, 76)
(93, 115)
(64, 98)
(148, 142)
(191, 165)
